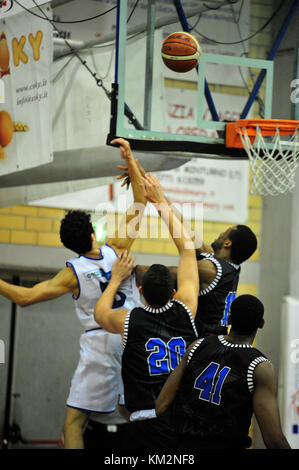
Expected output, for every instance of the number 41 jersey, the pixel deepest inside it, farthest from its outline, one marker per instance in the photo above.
(154, 340)
(213, 405)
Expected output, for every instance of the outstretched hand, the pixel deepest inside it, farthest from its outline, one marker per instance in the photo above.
(123, 266)
(125, 176)
(153, 190)
(125, 148)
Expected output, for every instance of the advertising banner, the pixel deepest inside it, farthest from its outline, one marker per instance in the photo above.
(26, 51)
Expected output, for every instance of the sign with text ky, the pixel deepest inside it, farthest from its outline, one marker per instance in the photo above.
(25, 113)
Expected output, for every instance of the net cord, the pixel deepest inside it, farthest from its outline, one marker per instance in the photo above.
(273, 165)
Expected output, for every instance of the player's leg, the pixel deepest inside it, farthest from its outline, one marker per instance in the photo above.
(73, 428)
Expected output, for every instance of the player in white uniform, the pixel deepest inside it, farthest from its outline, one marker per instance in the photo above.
(100, 351)
(96, 383)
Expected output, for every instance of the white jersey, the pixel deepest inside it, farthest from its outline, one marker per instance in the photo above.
(96, 383)
(93, 276)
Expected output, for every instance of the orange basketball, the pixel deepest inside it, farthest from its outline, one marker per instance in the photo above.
(181, 52)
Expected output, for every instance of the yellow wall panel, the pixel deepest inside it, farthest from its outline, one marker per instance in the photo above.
(136, 247)
(52, 213)
(149, 246)
(39, 224)
(254, 201)
(170, 249)
(4, 236)
(56, 226)
(12, 222)
(22, 237)
(24, 210)
(5, 210)
(255, 215)
(247, 289)
(49, 239)
(255, 227)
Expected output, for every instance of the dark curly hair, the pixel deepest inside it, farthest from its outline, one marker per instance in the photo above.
(75, 231)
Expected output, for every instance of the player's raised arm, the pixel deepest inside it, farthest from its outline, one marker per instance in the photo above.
(195, 236)
(130, 223)
(135, 172)
(187, 272)
(111, 319)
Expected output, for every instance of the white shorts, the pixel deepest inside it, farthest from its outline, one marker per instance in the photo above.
(97, 383)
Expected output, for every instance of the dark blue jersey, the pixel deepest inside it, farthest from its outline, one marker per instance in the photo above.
(213, 406)
(155, 340)
(215, 300)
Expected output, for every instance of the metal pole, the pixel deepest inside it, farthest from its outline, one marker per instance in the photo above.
(117, 43)
(148, 87)
(185, 26)
(271, 56)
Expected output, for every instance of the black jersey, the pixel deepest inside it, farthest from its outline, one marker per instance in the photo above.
(213, 406)
(155, 340)
(214, 301)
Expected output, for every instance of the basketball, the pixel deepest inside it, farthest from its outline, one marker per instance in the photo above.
(181, 52)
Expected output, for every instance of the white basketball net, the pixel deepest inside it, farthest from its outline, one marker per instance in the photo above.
(273, 165)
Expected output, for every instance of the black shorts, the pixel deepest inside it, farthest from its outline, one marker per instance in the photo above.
(101, 436)
(152, 434)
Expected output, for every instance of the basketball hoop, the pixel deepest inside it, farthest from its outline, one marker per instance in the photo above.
(273, 159)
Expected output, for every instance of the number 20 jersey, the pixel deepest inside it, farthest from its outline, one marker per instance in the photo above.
(214, 400)
(154, 340)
